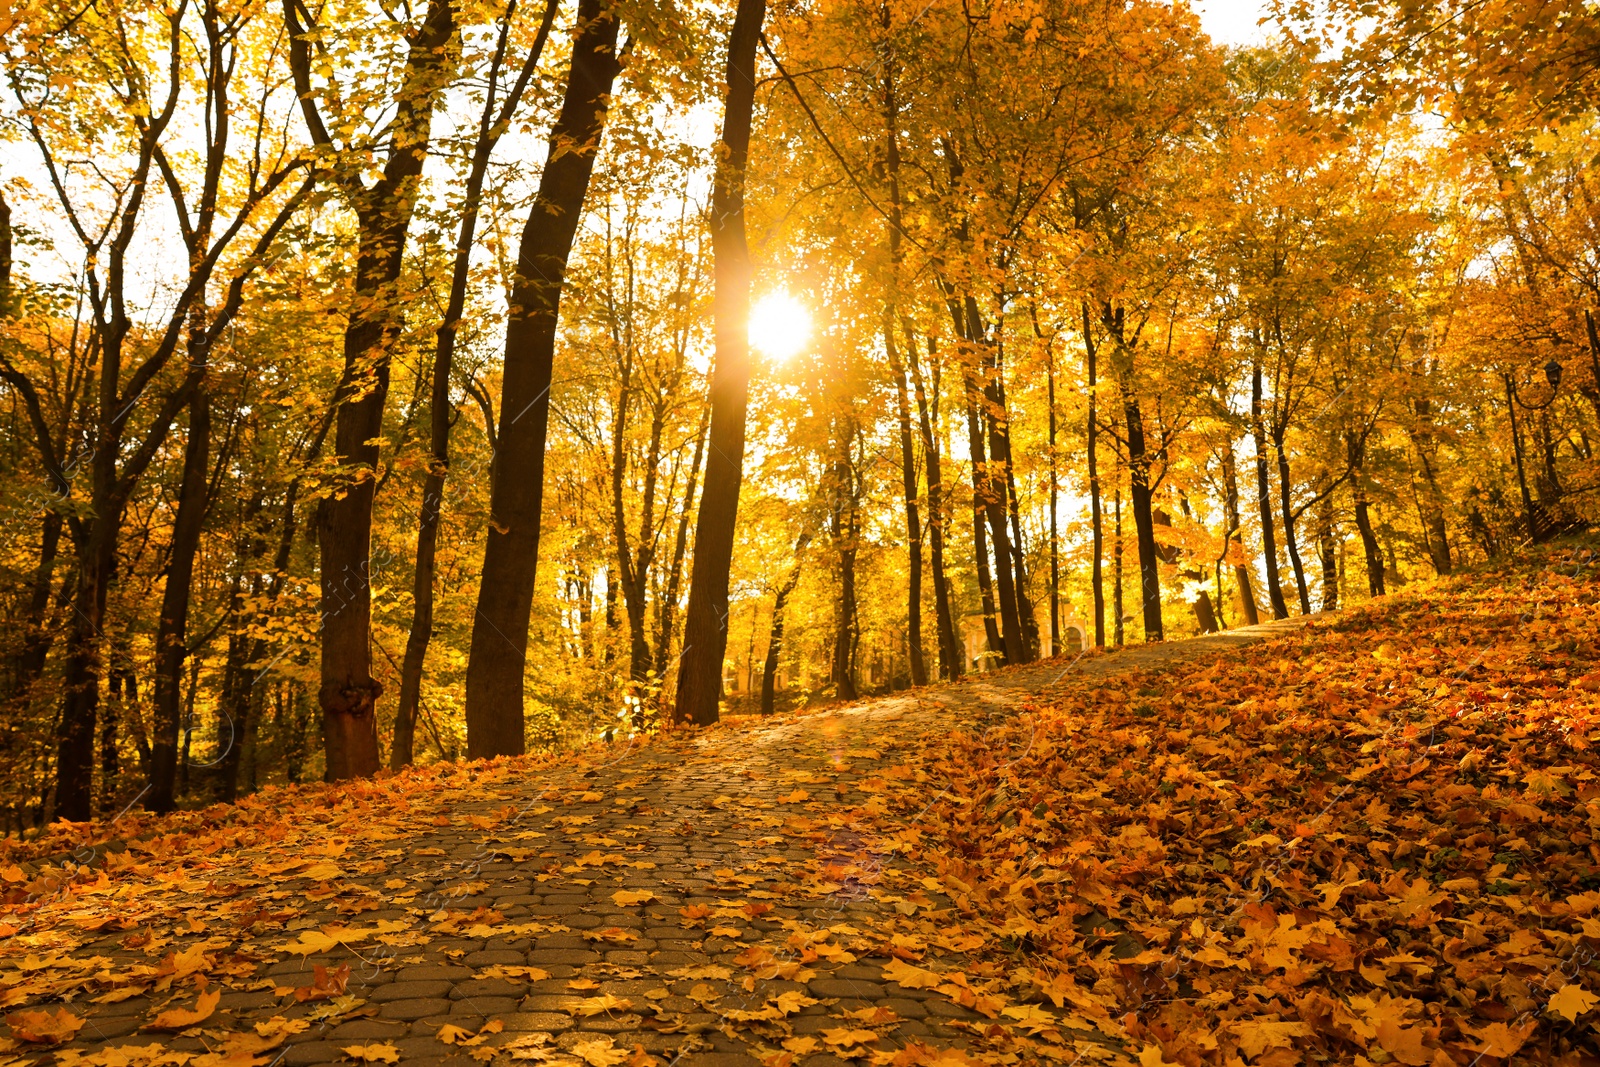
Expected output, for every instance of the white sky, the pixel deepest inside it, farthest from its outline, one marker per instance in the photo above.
(1232, 22)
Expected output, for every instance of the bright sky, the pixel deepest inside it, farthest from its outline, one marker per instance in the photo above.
(1232, 22)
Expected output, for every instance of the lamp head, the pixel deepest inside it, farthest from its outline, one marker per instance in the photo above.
(1552, 373)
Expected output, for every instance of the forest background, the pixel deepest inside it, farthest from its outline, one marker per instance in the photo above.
(374, 378)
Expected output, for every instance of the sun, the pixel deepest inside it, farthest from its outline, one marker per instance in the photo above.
(780, 326)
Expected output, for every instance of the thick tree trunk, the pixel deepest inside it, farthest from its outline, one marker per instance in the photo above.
(1140, 495)
(1235, 535)
(705, 636)
(1291, 542)
(172, 626)
(498, 657)
(403, 741)
(908, 477)
(1269, 539)
(348, 694)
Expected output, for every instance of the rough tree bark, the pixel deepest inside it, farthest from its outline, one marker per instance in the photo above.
(769, 669)
(908, 475)
(1269, 540)
(705, 635)
(499, 646)
(492, 123)
(173, 622)
(348, 693)
(1234, 535)
(1096, 524)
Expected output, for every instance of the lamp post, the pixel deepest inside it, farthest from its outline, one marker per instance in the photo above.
(1552, 375)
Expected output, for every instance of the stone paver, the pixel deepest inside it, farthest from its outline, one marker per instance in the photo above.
(763, 879)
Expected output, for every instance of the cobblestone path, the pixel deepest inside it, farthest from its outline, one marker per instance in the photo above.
(705, 901)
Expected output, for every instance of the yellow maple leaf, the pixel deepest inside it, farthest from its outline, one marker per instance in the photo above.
(375, 1053)
(912, 976)
(44, 1028)
(600, 1052)
(606, 1002)
(844, 1036)
(625, 898)
(1571, 1001)
(183, 1018)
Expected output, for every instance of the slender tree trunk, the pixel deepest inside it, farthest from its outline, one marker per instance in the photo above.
(1328, 550)
(769, 670)
(980, 539)
(1373, 554)
(1291, 542)
(1116, 562)
(1235, 535)
(120, 695)
(1425, 445)
(173, 623)
(1269, 545)
(1096, 524)
(403, 741)
(706, 627)
(667, 610)
(1003, 481)
(1143, 520)
(1055, 555)
(844, 522)
(989, 490)
(498, 656)
(908, 475)
(951, 658)
(34, 649)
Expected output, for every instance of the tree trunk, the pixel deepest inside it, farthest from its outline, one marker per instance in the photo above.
(705, 635)
(1434, 529)
(1003, 480)
(34, 648)
(348, 694)
(844, 523)
(908, 476)
(667, 609)
(951, 657)
(1269, 539)
(1291, 542)
(172, 627)
(403, 741)
(1055, 555)
(1370, 549)
(988, 492)
(769, 670)
(498, 657)
(1328, 550)
(1143, 520)
(1116, 562)
(980, 541)
(1241, 570)
(1096, 524)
